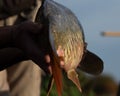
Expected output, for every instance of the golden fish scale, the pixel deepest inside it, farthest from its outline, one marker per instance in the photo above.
(72, 45)
(65, 31)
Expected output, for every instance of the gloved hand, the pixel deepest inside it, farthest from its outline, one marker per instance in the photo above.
(24, 37)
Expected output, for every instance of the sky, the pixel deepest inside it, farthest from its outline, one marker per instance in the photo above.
(95, 17)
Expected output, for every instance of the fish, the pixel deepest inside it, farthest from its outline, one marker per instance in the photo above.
(66, 42)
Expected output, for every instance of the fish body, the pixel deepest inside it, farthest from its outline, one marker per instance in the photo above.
(65, 33)
(66, 38)
(66, 41)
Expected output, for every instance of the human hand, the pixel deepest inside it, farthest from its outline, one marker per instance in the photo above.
(25, 38)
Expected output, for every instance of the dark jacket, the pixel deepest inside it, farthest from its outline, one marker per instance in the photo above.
(12, 7)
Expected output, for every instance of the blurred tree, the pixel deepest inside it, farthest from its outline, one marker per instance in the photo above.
(102, 86)
(118, 91)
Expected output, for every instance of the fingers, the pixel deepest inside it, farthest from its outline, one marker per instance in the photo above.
(26, 39)
(30, 27)
(27, 27)
(31, 49)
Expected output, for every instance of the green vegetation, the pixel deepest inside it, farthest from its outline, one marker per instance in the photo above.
(91, 86)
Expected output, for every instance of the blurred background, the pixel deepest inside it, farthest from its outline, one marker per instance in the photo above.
(95, 17)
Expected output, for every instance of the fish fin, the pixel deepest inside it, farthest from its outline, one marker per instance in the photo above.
(50, 85)
(57, 73)
(73, 76)
(91, 64)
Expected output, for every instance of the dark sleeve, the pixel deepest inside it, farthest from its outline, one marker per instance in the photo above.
(5, 36)
(12, 7)
(10, 56)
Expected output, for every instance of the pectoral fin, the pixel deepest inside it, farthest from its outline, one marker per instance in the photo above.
(73, 76)
(50, 85)
(57, 73)
(91, 64)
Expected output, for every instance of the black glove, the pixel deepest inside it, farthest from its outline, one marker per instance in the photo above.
(10, 56)
(23, 37)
